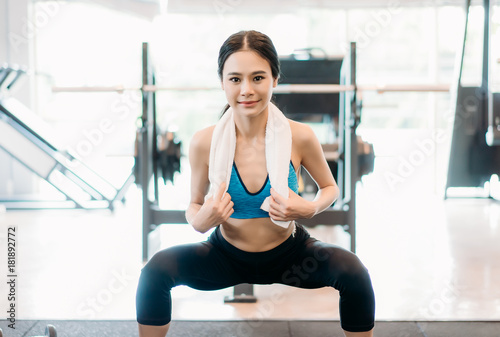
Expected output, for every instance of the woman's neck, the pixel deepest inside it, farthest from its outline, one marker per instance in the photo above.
(251, 127)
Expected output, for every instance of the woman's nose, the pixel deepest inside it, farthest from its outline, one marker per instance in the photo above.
(246, 88)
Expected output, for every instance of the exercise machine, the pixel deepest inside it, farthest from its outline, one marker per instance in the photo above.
(475, 147)
(31, 141)
(50, 331)
(345, 153)
(348, 156)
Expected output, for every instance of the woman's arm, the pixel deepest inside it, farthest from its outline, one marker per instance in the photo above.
(313, 160)
(308, 149)
(205, 214)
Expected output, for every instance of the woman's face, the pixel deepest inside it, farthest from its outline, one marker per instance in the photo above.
(248, 82)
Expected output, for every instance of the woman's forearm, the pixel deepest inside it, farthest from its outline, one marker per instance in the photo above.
(191, 212)
(325, 198)
(191, 217)
(211, 213)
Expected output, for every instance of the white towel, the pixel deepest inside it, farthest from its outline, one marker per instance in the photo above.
(278, 153)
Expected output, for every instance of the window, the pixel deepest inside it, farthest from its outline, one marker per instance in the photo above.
(394, 47)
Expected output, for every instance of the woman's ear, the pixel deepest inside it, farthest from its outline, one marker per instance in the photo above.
(275, 82)
(222, 85)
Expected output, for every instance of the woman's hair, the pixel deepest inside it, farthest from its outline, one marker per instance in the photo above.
(249, 40)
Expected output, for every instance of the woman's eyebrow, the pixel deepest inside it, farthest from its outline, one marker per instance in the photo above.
(258, 72)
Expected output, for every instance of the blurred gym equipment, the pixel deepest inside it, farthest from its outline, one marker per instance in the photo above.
(475, 147)
(339, 103)
(32, 142)
(50, 331)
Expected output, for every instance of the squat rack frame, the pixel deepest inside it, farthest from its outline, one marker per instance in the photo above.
(343, 211)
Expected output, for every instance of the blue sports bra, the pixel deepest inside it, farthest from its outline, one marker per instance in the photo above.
(247, 204)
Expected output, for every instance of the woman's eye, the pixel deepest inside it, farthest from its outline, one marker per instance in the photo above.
(234, 79)
(258, 78)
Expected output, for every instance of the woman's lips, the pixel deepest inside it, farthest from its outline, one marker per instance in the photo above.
(248, 103)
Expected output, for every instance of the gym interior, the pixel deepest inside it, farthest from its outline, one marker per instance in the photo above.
(99, 100)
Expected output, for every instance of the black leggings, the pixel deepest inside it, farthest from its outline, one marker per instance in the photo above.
(300, 261)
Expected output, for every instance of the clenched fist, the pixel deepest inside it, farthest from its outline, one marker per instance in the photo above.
(217, 209)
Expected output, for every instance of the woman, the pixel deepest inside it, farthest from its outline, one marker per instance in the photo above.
(249, 244)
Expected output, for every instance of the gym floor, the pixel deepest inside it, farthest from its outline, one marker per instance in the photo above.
(430, 259)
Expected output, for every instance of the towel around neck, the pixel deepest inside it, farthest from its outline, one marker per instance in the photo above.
(278, 142)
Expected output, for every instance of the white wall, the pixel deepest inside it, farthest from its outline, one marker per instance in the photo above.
(16, 39)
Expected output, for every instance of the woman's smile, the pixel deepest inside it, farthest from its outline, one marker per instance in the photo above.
(248, 104)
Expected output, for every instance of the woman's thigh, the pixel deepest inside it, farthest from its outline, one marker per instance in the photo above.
(198, 265)
(321, 264)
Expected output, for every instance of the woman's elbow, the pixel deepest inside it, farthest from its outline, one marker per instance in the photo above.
(200, 229)
(335, 192)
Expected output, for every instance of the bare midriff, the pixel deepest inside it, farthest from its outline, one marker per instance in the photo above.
(255, 235)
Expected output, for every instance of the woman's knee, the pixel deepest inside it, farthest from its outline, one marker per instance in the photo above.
(160, 270)
(153, 300)
(151, 284)
(164, 262)
(355, 269)
(348, 272)
(357, 279)
(357, 298)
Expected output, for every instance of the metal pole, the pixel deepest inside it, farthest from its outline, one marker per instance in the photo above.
(145, 155)
(280, 89)
(342, 165)
(353, 119)
(154, 144)
(486, 44)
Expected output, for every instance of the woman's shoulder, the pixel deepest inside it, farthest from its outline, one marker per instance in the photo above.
(201, 140)
(301, 133)
(204, 133)
(304, 139)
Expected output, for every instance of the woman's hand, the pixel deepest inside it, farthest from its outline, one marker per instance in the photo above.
(214, 211)
(293, 208)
